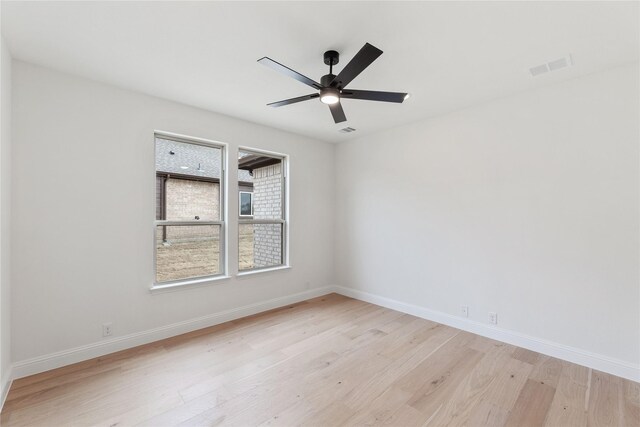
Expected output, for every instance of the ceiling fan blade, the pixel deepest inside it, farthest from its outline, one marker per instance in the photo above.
(289, 72)
(337, 112)
(362, 60)
(293, 100)
(372, 95)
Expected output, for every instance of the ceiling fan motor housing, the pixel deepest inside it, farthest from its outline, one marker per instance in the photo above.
(326, 80)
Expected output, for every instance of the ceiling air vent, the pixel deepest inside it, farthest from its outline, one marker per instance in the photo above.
(540, 69)
(558, 63)
(551, 66)
(347, 130)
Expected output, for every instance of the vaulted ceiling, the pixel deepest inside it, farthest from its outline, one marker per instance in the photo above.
(448, 55)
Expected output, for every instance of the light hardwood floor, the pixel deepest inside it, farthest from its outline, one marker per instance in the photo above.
(324, 362)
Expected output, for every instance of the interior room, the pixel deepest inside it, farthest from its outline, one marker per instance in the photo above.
(320, 213)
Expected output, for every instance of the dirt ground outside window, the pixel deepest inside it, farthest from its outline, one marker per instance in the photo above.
(197, 257)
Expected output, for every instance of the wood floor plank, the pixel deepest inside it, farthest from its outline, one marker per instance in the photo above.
(460, 405)
(532, 405)
(375, 386)
(486, 414)
(443, 381)
(604, 405)
(525, 355)
(547, 370)
(568, 405)
(406, 416)
(630, 400)
(382, 408)
(507, 384)
(327, 361)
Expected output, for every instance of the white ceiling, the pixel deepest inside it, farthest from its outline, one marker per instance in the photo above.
(448, 55)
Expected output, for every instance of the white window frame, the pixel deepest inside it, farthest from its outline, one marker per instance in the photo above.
(222, 258)
(240, 193)
(284, 220)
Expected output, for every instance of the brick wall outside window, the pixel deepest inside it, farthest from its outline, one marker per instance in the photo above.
(267, 204)
(187, 199)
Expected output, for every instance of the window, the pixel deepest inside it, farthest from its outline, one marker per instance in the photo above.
(262, 225)
(189, 226)
(246, 203)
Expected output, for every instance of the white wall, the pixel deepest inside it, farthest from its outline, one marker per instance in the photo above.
(527, 206)
(5, 214)
(83, 204)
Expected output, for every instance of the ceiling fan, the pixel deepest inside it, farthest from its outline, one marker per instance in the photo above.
(332, 88)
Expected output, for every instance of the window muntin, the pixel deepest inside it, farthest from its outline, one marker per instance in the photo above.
(189, 226)
(246, 203)
(262, 237)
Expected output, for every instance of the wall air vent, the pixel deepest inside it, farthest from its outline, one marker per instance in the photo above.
(551, 66)
(347, 130)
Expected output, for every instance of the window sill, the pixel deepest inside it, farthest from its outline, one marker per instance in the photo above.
(263, 270)
(187, 284)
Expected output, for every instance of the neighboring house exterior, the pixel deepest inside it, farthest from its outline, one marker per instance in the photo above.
(188, 188)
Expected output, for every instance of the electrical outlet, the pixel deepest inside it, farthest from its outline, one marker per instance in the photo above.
(107, 329)
(493, 318)
(464, 310)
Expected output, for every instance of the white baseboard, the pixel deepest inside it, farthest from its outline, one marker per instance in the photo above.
(571, 354)
(85, 352)
(5, 386)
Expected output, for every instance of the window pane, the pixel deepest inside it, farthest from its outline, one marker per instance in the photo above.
(260, 245)
(187, 251)
(245, 246)
(245, 204)
(263, 174)
(187, 181)
(159, 196)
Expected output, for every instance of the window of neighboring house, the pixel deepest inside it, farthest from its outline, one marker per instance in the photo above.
(262, 236)
(246, 203)
(190, 222)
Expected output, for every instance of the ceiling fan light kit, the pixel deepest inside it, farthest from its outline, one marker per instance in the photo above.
(329, 95)
(331, 87)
